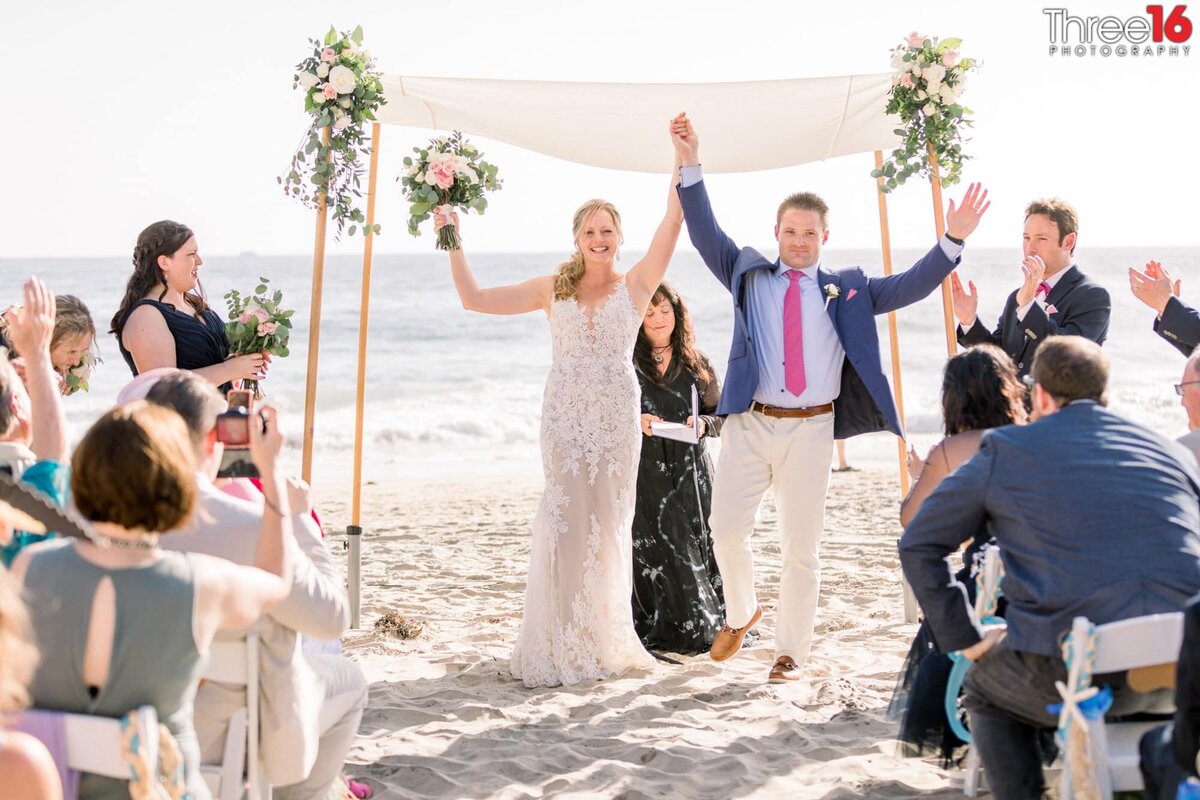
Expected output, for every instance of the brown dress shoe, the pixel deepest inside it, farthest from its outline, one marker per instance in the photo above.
(729, 640)
(785, 670)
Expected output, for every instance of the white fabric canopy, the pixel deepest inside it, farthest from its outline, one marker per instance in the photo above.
(742, 126)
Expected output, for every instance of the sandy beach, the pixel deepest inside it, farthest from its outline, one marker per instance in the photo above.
(444, 718)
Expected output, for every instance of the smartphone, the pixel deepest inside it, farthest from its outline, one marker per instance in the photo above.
(233, 429)
(238, 398)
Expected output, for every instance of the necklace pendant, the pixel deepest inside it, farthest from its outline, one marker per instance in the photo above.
(658, 359)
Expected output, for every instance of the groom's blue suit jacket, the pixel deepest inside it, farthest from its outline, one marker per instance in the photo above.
(865, 404)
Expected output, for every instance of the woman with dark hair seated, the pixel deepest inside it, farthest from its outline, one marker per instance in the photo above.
(677, 603)
(122, 623)
(980, 391)
(164, 319)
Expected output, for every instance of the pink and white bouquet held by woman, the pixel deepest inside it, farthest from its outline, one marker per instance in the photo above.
(257, 325)
(449, 173)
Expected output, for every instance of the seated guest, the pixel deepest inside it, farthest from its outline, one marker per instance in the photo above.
(119, 621)
(1094, 516)
(677, 603)
(1188, 390)
(312, 701)
(1054, 299)
(1177, 322)
(26, 767)
(164, 319)
(1169, 752)
(980, 391)
(70, 347)
(33, 438)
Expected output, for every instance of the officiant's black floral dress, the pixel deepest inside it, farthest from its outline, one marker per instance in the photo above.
(677, 601)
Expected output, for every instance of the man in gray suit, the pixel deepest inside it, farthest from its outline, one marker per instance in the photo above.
(1094, 516)
(312, 702)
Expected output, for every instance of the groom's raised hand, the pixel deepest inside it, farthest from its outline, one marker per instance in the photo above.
(687, 143)
(961, 221)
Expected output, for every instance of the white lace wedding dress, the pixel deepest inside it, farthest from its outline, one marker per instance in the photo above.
(578, 622)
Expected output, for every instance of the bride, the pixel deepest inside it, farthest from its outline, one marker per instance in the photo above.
(577, 624)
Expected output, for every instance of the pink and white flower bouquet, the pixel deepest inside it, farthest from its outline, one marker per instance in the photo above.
(448, 173)
(257, 324)
(927, 88)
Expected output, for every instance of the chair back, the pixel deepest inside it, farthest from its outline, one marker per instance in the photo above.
(235, 662)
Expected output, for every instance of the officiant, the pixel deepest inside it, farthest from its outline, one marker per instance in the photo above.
(677, 601)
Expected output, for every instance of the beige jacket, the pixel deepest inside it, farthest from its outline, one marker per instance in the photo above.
(290, 695)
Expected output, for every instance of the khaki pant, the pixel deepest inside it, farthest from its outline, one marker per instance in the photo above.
(793, 456)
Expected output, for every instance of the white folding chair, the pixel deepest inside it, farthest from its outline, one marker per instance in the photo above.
(235, 662)
(1130, 645)
(93, 744)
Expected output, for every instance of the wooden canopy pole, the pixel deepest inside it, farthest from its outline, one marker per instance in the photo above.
(912, 611)
(314, 333)
(354, 530)
(939, 222)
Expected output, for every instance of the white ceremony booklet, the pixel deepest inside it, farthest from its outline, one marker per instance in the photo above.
(678, 430)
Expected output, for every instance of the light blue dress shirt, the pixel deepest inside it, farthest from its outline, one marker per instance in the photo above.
(824, 355)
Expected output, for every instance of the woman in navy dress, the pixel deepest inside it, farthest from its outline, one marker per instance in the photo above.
(164, 320)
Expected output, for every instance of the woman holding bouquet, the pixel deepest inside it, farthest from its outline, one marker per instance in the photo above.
(577, 624)
(164, 320)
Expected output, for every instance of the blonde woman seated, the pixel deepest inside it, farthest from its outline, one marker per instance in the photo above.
(72, 347)
(122, 623)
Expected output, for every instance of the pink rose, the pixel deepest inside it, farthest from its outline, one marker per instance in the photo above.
(262, 314)
(440, 174)
(266, 329)
(950, 58)
(328, 55)
(915, 39)
(245, 318)
(330, 92)
(907, 81)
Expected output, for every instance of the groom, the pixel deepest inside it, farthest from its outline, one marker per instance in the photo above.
(804, 369)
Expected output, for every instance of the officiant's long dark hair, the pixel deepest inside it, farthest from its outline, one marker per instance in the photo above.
(684, 354)
(162, 238)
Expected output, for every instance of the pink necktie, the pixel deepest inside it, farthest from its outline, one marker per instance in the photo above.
(793, 337)
(1043, 289)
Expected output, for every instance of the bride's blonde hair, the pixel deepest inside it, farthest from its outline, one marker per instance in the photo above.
(569, 273)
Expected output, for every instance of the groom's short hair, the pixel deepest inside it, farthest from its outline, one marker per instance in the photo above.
(806, 201)
(1060, 212)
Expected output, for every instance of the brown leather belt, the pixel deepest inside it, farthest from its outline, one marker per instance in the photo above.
(791, 413)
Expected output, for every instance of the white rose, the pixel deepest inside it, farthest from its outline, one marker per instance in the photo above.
(342, 79)
(308, 80)
(933, 87)
(342, 122)
(920, 96)
(948, 93)
(898, 60)
(934, 73)
(344, 102)
(930, 109)
(413, 170)
(323, 71)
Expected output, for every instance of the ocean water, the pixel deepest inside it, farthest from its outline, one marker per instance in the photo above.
(454, 394)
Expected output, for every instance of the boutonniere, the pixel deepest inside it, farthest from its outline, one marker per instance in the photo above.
(831, 291)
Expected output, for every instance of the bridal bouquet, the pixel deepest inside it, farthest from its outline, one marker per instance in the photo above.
(257, 324)
(77, 377)
(342, 89)
(926, 89)
(448, 173)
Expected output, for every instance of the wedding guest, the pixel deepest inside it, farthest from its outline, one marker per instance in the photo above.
(1177, 322)
(1168, 752)
(324, 695)
(1188, 390)
(980, 391)
(71, 347)
(843, 464)
(1054, 297)
(1094, 516)
(121, 622)
(677, 602)
(164, 319)
(804, 369)
(33, 429)
(26, 768)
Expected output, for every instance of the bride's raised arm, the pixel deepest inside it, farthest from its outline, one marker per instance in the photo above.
(517, 298)
(646, 275)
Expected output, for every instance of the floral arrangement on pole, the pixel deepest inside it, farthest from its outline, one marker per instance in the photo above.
(926, 89)
(257, 325)
(342, 89)
(448, 173)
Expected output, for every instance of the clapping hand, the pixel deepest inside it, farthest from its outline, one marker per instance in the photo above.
(687, 143)
(914, 463)
(31, 326)
(966, 303)
(1154, 288)
(961, 221)
(1033, 272)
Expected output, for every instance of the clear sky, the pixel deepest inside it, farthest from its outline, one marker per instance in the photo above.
(125, 112)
